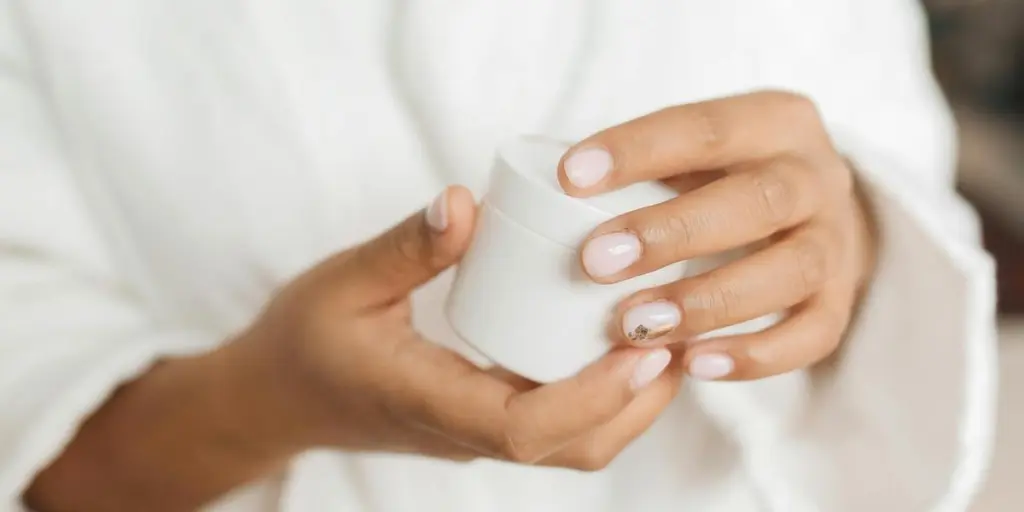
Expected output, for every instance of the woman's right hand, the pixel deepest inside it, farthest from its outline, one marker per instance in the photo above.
(348, 371)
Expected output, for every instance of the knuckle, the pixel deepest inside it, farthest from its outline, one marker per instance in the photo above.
(360, 257)
(708, 129)
(683, 228)
(410, 247)
(775, 195)
(407, 243)
(711, 304)
(811, 263)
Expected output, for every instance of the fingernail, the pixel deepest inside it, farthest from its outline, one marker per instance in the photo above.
(437, 213)
(711, 366)
(651, 320)
(586, 167)
(610, 254)
(649, 367)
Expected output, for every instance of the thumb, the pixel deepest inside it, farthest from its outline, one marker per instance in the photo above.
(413, 252)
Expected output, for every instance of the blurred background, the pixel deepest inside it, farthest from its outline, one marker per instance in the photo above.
(978, 52)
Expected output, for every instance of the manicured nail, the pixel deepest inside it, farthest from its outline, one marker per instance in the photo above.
(651, 320)
(586, 167)
(610, 254)
(711, 366)
(437, 214)
(649, 367)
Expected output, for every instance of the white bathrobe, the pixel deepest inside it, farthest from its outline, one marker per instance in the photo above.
(165, 164)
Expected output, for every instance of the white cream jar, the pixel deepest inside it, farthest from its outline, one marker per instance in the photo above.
(520, 297)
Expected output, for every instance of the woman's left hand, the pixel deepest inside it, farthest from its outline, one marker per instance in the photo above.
(753, 169)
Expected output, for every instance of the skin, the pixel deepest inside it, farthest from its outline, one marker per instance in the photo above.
(754, 170)
(333, 361)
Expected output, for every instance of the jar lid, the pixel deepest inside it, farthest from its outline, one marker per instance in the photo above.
(524, 186)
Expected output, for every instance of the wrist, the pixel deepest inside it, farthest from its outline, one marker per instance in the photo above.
(179, 436)
(259, 409)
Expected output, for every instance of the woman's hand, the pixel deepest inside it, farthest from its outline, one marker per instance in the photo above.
(333, 361)
(751, 169)
(351, 372)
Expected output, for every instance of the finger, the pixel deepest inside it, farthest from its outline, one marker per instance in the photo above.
(696, 137)
(596, 449)
(684, 183)
(810, 335)
(773, 279)
(734, 211)
(410, 254)
(429, 386)
(519, 383)
(590, 452)
(424, 442)
(490, 415)
(550, 416)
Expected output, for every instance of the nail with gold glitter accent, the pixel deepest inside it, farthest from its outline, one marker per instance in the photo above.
(649, 321)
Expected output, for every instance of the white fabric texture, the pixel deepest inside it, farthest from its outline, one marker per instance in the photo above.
(164, 165)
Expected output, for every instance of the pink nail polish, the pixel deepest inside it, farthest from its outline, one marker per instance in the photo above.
(649, 367)
(711, 366)
(610, 254)
(650, 320)
(587, 167)
(437, 213)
